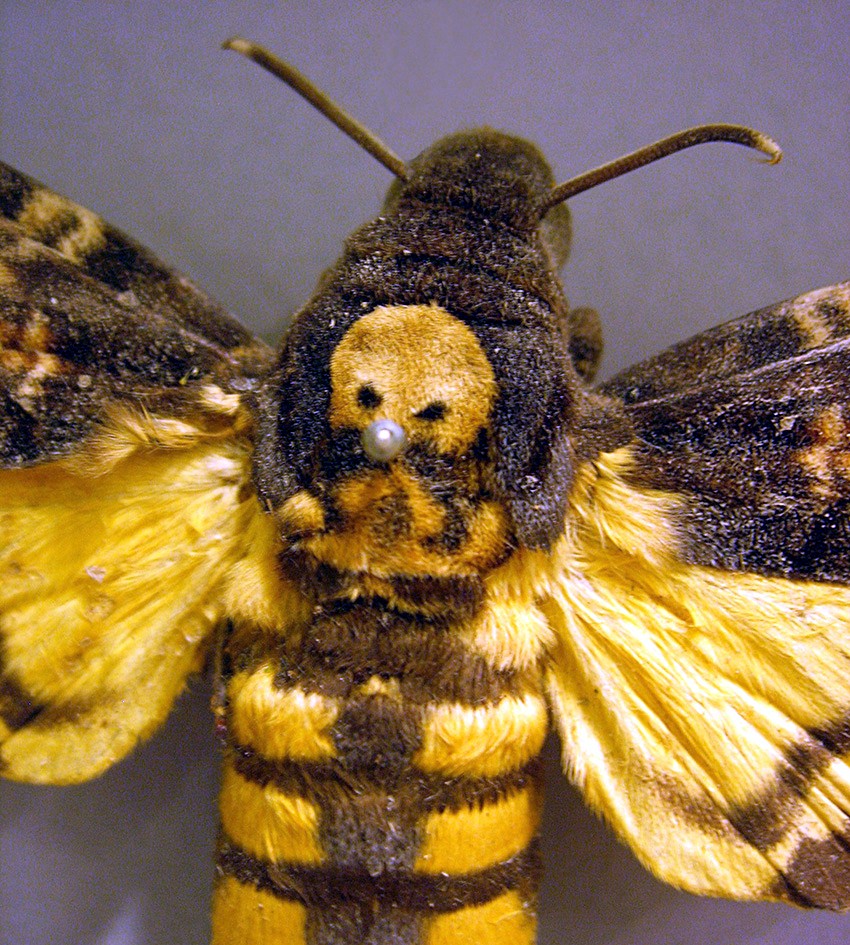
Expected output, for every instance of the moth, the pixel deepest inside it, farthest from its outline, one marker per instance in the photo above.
(415, 537)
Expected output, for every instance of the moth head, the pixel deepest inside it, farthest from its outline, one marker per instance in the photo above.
(411, 375)
(492, 177)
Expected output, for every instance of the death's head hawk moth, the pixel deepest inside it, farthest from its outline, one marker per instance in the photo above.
(411, 538)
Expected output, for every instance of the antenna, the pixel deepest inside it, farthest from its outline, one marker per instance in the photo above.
(320, 100)
(700, 134)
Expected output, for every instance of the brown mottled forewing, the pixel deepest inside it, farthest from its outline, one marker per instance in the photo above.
(750, 422)
(88, 317)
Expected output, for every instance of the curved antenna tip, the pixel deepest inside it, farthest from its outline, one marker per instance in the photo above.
(238, 44)
(768, 147)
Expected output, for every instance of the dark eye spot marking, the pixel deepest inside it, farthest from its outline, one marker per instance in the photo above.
(434, 411)
(368, 397)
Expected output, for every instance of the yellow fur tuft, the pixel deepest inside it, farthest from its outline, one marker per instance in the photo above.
(268, 823)
(130, 430)
(474, 838)
(505, 920)
(245, 915)
(281, 724)
(301, 514)
(483, 741)
(254, 593)
(509, 636)
(510, 631)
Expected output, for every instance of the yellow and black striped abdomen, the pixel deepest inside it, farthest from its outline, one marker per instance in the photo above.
(381, 786)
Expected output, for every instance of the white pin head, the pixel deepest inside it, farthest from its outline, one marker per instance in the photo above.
(383, 439)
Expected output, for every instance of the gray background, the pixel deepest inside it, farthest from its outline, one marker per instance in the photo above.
(134, 111)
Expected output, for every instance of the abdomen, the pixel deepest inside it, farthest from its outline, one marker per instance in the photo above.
(381, 786)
